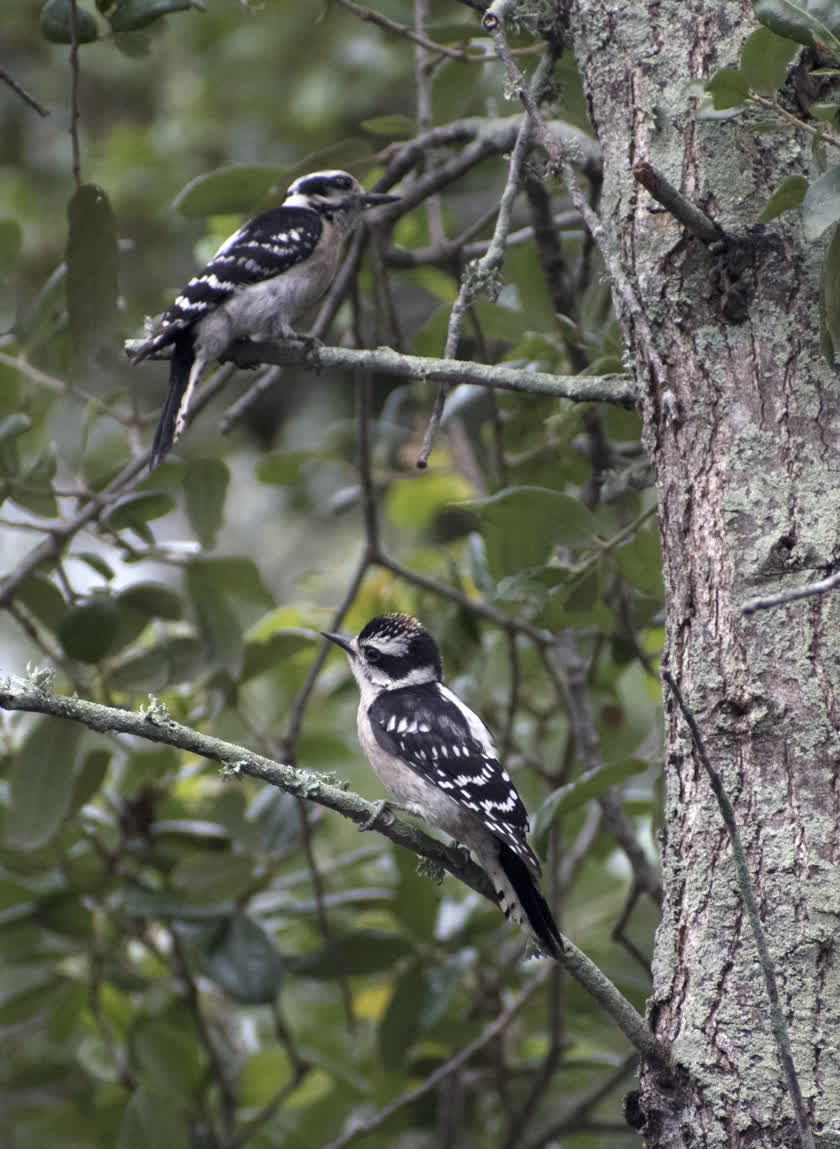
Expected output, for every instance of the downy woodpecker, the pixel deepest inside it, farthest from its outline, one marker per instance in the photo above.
(437, 758)
(257, 284)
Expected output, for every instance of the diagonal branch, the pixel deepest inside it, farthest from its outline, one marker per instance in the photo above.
(35, 694)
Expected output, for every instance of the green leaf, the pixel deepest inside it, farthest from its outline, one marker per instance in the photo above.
(216, 620)
(14, 425)
(90, 776)
(263, 1074)
(205, 488)
(272, 822)
(640, 561)
(360, 952)
(151, 1121)
(91, 281)
(728, 88)
(807, 22)
(244, 960)
(821, 205)
(589, 785)
(415, 503)
(95, 562)
(764, 60)
(395, 127)
(830, 300)
(522, 526)
(403, 1018)
(43, 467)
(43, 599)
(41, 783)
(56, 23)
(136, 510)
(239, 576)
(169, 1056)
(153, 599)
(11, 238)
(89, 631)
(229, 190)
(262, 656)
(169, 662)
(418, 898)
(154, 904)
(210, 879)
(284, 468)
(65, 913)
(789, 194)
(27, 1005)
(825, 110)
(129, 15)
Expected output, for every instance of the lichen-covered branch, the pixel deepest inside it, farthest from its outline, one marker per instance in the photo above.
(616, 389)
(35, 694)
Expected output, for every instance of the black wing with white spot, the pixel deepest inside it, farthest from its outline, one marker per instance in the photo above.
(264, 247)
(443, 742)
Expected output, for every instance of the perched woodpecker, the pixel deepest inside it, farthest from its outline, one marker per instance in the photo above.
(257, 284)
(437, 758)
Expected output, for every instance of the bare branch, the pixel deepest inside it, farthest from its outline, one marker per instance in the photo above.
(616, 389)
(22, 92)
(691, 217)
(783, 597)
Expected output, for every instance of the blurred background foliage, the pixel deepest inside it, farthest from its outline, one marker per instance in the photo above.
(191, 960)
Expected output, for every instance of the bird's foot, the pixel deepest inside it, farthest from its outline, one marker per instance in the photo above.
(382, 808)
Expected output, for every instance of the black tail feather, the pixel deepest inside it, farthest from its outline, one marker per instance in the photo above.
(180, 366)
(533, 903)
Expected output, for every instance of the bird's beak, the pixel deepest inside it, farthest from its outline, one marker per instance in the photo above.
(345, 641)
(374, 199)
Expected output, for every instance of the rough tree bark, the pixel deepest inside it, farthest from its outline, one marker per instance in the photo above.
(746, 455)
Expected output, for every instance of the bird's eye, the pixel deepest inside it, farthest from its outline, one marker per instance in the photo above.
(372, 654)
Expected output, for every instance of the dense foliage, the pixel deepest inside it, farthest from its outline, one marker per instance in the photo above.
(194, 959)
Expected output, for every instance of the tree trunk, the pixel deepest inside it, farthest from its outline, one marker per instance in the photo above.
(742, 432)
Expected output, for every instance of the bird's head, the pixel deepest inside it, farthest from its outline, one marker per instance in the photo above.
(334, 194)
(392, 651)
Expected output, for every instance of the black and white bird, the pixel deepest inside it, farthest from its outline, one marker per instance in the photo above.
(257, 284)
(437, 758)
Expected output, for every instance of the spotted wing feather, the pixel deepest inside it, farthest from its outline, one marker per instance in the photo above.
(436, 739)
(265, 247)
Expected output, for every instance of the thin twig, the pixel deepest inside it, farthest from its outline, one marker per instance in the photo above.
(377, 18)
(219, 1070)
(74, 91)
(481, 275)
(558, 157)
(301, 701)
(443, 1072)
(664, 192)
(783, 597)
(575, 1118)
(370, 516)
(777, 1018)
(820, 130)
(22, 92)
